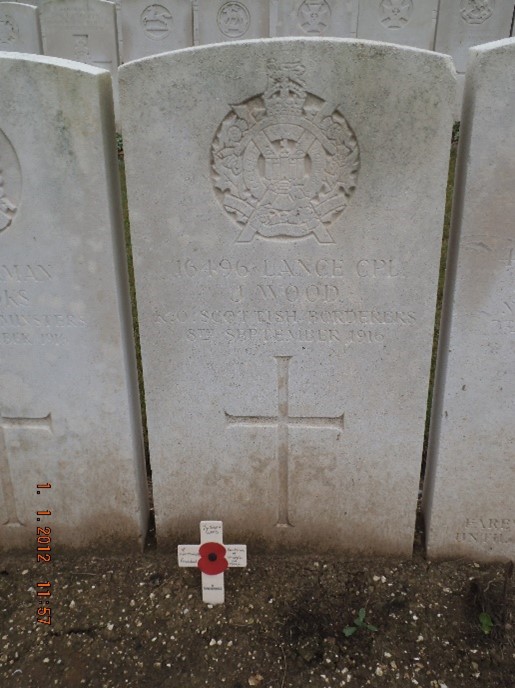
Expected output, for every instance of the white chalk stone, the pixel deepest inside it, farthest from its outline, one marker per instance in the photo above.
(407, 22)
(280, 193)
(82, 30)
(218, 21)
(19, 28)
(69, 412)
(463, 24)
(469, 500)
(315, 18)
(149, 28)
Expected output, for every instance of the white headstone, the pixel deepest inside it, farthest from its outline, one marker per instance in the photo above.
(469, 500)
(212, 557)
(149, 28)
(218, 21)
(82, 30)
(407, 22)
(19, 28)
(316, 18)
(69, 412)
(278, 210)
(466, 23)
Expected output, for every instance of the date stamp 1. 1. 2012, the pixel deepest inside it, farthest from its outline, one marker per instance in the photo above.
(43, 555)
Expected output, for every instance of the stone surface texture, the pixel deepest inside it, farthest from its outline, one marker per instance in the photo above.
(69, 411)
(463, 24)
(280, 193)
(314, 18)
(82, 30)
(19, 28)
(469, 500)
(407, 22)
(149, 27)
(219, 21)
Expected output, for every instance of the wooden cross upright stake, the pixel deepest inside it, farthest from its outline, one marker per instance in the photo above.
(212, 557)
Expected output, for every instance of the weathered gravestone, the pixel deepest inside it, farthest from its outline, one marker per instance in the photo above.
(286, 202)
(150, 28)
(315, 18)
(408, 22)
(466, 23)
(19, 28)
(469, 499)
(68, 395)
(82, 30)
(218, 21)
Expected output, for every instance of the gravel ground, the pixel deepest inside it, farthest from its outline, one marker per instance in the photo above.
(139, 621)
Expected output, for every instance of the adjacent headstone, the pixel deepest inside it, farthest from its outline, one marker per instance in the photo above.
(19, 28)
(463, 24)
(407, 22)
(469, 499)
(82, 30)
(316, 18)
(69, 412)
(149, 28)
(212, 557)
(278, 210)
(218, 21)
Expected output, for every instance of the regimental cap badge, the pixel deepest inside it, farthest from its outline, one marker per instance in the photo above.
(285, 163)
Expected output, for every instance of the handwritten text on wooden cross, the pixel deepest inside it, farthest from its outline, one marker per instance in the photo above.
(282, 422)
(212, 554)
(5, 472)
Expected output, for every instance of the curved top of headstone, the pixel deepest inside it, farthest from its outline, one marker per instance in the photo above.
(53, 61)
(374, 47)
(503, 45)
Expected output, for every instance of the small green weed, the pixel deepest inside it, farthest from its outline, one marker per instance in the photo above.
(359, 624)
(486, 623)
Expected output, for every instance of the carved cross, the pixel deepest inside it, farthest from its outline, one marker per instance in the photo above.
(283, 421)
(212, 557)
(5, 472)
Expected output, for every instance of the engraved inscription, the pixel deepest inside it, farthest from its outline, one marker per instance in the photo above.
(12, 518)
(20, 323)
(477, 11)
(10, 183)
(395, 14)
(156, 21)
(283, 421)
(9, 31)
(285, 163)
(487, 531)
(233, 19)
(314, 16)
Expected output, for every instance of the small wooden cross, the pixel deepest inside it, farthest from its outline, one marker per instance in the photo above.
(212, 557)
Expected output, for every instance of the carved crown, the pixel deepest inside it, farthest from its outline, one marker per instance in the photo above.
(286, 91)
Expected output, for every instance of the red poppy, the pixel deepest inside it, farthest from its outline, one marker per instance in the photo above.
(212, 558)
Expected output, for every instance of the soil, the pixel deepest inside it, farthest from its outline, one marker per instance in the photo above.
(139, 621)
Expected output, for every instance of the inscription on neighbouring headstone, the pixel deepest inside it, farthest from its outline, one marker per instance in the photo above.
(82, 30)
(149, 28)
(316, 18)
(408, 22)
(469, 500)
(219, 21)
(69, 411)
(286, 310)
(465, 23)
(19, 28)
